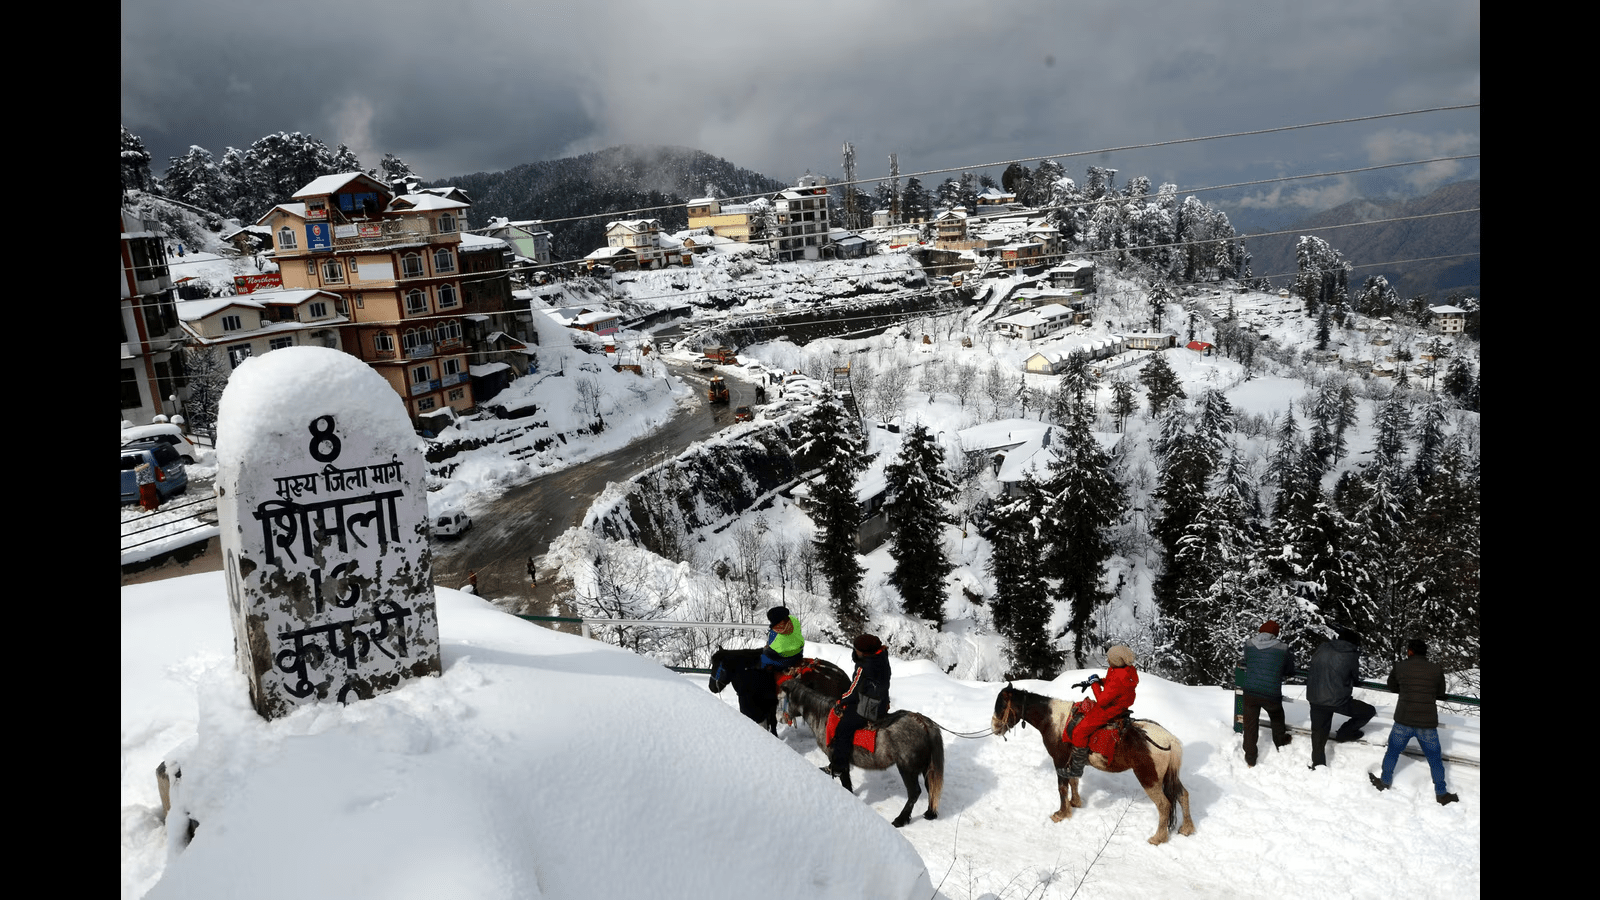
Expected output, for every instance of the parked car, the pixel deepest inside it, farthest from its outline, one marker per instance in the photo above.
(166, 434)
(451, 524)
(743, 414)
(165, 465)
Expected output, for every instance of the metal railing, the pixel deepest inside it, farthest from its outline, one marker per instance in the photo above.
(584, 624)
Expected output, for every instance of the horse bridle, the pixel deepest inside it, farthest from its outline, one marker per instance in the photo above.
(1022, 712)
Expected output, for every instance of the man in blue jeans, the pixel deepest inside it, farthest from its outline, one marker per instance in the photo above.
(1420, 683)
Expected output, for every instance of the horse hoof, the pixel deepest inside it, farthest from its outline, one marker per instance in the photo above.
(1186, 830)
(1158, 839)
(900, 822)
(930, 814)
(1078, 802)
(1058, 816)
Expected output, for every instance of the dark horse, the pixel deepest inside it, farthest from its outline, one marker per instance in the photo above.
(758, 689)
(1152, 752)
(909, 741)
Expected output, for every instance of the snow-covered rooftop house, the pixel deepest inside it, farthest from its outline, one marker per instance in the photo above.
(644, 240)
(1449, 319)
(150, 332)
(596, 320)
(395, 262)
(1035, 323)
(1150, 340)
(732, 221)
(263, 321)
(527, 237)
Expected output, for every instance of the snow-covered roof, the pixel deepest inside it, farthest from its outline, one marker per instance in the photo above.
(297, 210)
(424, 203)
(1448, 310)
(470, 241)
(330, 184)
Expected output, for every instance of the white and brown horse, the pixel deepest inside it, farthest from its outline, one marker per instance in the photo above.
(1154, 754)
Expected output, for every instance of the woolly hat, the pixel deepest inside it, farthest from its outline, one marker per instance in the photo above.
(777, 614)
(1119, 656)
(868, 644)
(1270, 627)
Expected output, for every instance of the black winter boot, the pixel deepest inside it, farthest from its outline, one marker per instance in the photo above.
(1080, 758)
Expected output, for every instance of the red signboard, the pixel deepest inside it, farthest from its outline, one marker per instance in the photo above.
(249, 284)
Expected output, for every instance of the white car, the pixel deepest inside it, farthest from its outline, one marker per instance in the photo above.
(451, 524)
(166, 434)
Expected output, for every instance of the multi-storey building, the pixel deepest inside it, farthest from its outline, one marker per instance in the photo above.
(150, 336)
(732, 221)
(394, 262)
(802, 221)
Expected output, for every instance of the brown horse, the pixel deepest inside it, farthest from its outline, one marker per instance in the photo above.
(909, 741)
(1154, 754)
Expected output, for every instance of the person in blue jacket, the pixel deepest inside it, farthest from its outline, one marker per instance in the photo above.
(785, 644)
(1267, 662)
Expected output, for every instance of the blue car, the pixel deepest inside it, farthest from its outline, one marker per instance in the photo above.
(165, 466)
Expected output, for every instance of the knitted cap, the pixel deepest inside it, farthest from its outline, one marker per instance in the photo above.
(1270, 627)
(777, 614)
(1119, 656)
(868, 644)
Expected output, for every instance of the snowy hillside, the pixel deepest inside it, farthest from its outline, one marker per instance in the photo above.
(519, 774)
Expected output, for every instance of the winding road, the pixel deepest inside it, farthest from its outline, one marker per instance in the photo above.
(523, 521)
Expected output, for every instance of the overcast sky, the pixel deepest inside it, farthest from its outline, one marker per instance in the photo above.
(485, 85)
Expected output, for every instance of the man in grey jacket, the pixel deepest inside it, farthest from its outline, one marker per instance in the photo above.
(1335, 671)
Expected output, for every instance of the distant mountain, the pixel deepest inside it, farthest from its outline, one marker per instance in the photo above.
(1379, 244)
(616, 180)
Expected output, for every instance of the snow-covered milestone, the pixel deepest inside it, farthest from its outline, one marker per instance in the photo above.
(324, 531)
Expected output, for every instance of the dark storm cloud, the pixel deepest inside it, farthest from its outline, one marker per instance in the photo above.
(474, 86)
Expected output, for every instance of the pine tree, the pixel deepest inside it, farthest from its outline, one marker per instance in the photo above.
(204, 380)
(1082, 501)
(919, 487)
(1442, 553)
(1124, 400)
(1161, 384)
(1021, 604)
(833, 441)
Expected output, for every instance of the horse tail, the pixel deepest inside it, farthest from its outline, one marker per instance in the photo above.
(1171, 780)
(933, 776)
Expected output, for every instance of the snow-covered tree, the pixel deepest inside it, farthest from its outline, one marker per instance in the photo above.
(1021, 605)
(1161, 384)
(832, 439)
(1082, 501)
(919, 489)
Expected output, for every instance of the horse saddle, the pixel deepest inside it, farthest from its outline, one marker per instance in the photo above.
(1102, 740)
(803, 667)
(867, 736)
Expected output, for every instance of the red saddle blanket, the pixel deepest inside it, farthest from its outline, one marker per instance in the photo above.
(1102, 740)
(866, 738)
(805, 666)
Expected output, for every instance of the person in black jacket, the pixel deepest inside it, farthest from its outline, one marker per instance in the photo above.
(1420, 683)
(1330, 688)
(1267, 662)
(866, 700)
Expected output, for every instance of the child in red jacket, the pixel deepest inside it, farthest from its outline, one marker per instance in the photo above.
(1113, 696)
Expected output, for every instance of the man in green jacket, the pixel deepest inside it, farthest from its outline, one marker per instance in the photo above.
(785, 644)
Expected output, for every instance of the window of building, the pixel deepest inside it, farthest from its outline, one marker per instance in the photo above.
(425, 403)
(444, 260)
(287, 239)
(450, 330)
(447, 224)
(280, 343)
(411, 265)
(447, 296)
(311, 267)
(130, 390)
(237, 354)
(415, 338)
(361, 303)
(232, 323)
(422, 374)
(383, 341)
(450, 366)
(333, 272)
(318, 310)
(416, 302)
(458, 394)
